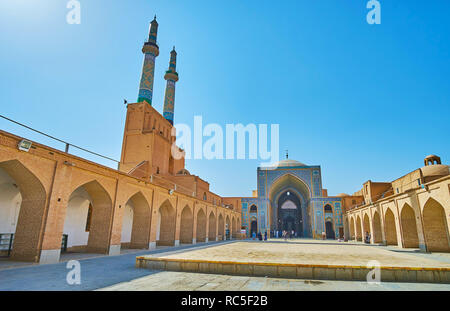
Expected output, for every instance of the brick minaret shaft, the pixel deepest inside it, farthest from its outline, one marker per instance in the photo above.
(151, 51)
(172, 77)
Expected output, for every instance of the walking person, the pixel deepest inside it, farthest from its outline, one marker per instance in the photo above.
(367, 238)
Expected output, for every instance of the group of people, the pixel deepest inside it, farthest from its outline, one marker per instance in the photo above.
(285, 234)
(260, 236)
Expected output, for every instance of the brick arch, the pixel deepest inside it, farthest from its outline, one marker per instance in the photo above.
(228, 225)
(166, 224)
(352, 228)
(366, 224)
(186, 225)
(27, 236)
(409, 227)
(390, 227)
(79, 180)
(212, 226)
(376, 224)
(201, 226)
(187, 204)
(358, 229)
(435, 226)
(221, 226)
(233, 226)
(141, 221)
(99, 218)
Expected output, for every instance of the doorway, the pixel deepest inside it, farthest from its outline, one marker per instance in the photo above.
(329, 230)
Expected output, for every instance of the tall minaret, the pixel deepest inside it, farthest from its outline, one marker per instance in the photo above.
(151, 51)
(171, 76)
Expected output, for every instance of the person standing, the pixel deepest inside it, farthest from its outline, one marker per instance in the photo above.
(367, 239)
(265, 236)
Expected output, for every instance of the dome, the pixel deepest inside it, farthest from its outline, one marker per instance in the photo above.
(288, 162)
(435, 170)
(431, 156)
(183, 172)
(343, 195)
(432, 160)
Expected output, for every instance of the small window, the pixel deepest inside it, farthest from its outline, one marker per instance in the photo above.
(328, 209)
(204, 196)
(253, 209)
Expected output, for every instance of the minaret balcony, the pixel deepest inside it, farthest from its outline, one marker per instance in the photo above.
(150, 47)
(171, 75)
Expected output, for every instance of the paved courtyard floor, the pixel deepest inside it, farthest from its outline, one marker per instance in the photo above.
(184, 281)
(314, 252)
(97, 271)
(119, 272)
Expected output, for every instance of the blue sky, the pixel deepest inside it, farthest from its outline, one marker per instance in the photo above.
(363, 101)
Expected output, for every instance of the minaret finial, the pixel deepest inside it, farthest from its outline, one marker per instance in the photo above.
(151, 51)
(287, 154)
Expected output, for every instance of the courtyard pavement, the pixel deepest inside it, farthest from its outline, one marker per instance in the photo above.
(313, 252)
(119, 273)
(97, 271)
(179, 281)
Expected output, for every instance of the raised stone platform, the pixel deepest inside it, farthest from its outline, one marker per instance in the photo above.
(306, 259)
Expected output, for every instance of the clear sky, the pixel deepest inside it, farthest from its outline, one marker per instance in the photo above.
(363, 101)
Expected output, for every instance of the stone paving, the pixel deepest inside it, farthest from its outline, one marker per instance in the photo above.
(96, 271)
(184, 281)
(313, 252)
(119, 273)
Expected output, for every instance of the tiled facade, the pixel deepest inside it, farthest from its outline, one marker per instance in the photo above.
(306, 183)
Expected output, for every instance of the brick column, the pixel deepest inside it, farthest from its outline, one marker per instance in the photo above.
(207, 224)
(177, 223)
(119, 201)
(56, 214)
(154, 221)
(194, 223)
(419, 222)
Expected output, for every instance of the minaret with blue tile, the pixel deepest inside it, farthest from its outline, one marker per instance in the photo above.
(151, 51)
(172, 77)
